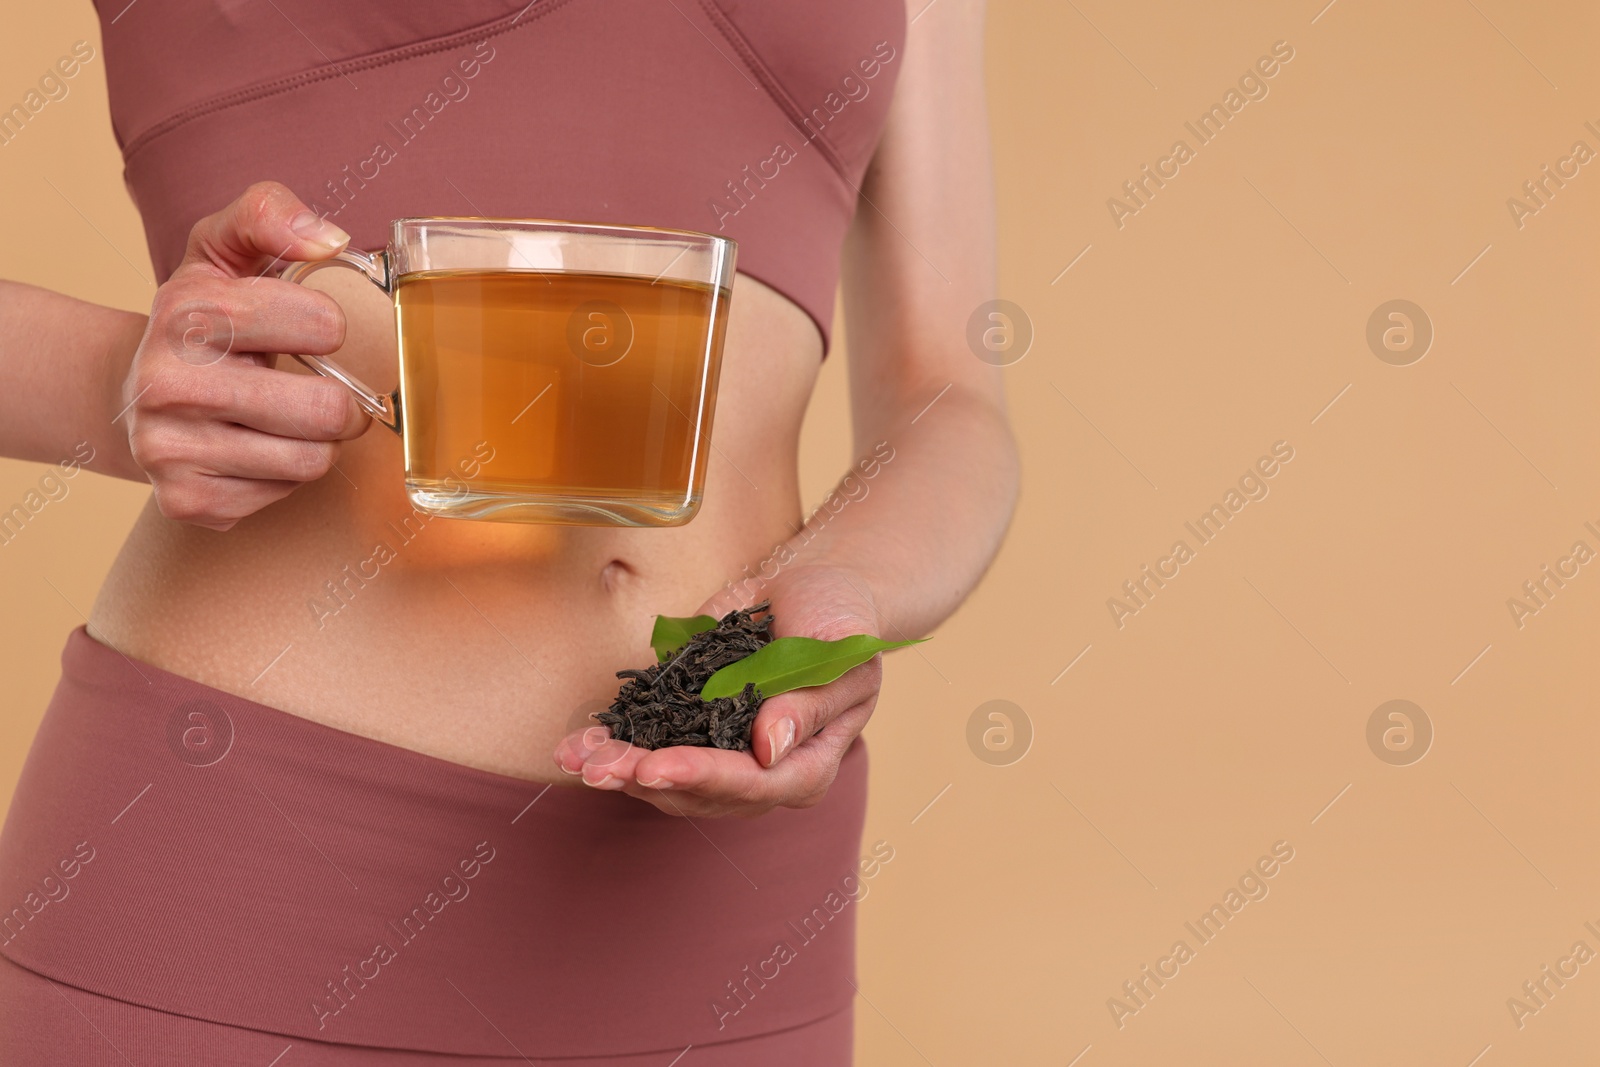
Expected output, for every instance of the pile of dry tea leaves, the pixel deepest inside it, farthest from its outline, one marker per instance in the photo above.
(661, 704)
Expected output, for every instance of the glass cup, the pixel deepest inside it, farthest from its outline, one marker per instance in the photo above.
(553, 372)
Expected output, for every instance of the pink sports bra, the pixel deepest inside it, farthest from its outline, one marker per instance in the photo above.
(754, 119)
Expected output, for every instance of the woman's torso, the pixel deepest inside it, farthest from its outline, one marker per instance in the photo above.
(484, 643)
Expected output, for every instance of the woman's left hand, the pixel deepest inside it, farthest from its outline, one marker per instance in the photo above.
(798, 737)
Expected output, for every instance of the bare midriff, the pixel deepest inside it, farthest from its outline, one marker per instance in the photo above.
(482, 643)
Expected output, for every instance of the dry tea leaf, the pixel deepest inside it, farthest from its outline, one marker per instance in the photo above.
(661, 705)
(713, 674)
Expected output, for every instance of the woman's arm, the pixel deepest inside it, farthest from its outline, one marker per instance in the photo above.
(62, 364)
(917, 530)
(187, 398)
(918, 263)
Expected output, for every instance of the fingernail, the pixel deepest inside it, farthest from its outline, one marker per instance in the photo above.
(657, 783)
(314, 228)
(780, 736)
(610, 781)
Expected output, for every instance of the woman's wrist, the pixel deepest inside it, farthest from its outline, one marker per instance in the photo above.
(831, 584)
(107, 432)
(62, 364)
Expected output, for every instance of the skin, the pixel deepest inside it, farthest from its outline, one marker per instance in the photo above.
(488, 644)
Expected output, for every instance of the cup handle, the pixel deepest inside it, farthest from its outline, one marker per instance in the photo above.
(384, 408)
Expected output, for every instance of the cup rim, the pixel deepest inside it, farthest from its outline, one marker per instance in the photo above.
(573, 224)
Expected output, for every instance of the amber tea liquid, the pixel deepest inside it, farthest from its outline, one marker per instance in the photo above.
(592, 392)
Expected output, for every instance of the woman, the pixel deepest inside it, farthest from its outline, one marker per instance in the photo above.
(382, 828)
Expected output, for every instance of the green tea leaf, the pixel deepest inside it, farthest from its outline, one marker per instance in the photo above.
(671, 634)
(795, 663)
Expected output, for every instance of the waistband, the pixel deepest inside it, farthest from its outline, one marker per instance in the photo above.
(185, 849)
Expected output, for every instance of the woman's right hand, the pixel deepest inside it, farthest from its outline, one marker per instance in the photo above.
(217, 429)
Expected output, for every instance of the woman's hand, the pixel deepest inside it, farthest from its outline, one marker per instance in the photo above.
(217, 429)
(798, 737)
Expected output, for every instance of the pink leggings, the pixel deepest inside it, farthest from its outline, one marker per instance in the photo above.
(46, 1024)
(187, 877)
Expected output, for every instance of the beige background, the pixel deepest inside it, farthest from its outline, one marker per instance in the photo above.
(1232, 710)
